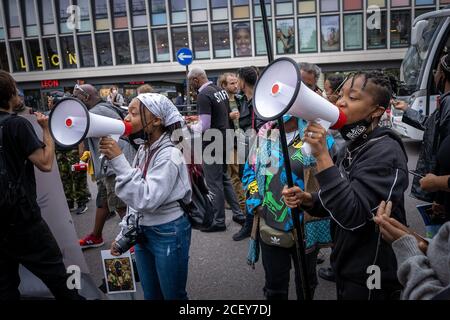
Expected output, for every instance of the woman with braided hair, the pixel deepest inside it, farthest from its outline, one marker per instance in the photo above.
(372, 167)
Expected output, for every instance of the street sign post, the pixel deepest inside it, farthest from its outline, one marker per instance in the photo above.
(185, 58)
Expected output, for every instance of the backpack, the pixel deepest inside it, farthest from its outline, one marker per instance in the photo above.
(14, 197)
(200, 210)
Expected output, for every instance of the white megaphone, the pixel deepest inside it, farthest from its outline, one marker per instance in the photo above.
(280, 91)
(70, 123)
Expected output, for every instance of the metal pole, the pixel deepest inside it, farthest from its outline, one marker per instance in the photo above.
(301, 270)
(188, 93)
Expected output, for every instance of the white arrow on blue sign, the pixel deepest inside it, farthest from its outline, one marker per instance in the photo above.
(185, 56)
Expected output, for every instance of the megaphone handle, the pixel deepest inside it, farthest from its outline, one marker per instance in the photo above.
(306, 147)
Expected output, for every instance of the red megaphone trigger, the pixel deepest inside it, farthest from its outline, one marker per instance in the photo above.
(128, 129)
(342, 120)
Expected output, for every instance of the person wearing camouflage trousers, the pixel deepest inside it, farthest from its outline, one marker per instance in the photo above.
(74, 183)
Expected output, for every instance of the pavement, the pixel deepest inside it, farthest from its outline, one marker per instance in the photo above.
(217, 267)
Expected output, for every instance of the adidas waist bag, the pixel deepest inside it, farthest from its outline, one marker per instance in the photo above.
(274, 237)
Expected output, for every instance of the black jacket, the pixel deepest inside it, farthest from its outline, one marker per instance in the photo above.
(350, 193)
(436, 128)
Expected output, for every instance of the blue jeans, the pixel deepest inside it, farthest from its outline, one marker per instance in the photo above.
(162, 261)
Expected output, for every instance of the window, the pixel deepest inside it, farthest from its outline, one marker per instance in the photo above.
(161, 45)
(69, 56)
(158, 9)
(307, 31)
(2, 31)
(378, 3)
(17, 56)
(353, 5)
(199, 10)
(61, 13)
(306, 6)
(330, 33)
(101, 15)
(46, 15)
(329, 5)
(353, 31)
(122, 47)
(284, 7)
(221, 40)
(51, 56)
(103, 45)
(85, 19)
(29, 16)
(86, 51)
(400, 28)
(12, 20)
(34, 55)
(376, 38)
(242, 39)
(425, 2)
(400, 3)
(178, 11)
(200, 42)
(257, 8)
(141, 46)
(180, 39)
(260, 39)
(241, 9)
(139, 13)
(3, 57)
(219, 9)
(285, 36)
(119, 9)
(418, 12)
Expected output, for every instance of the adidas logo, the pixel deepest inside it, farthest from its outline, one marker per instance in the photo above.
(276, 241)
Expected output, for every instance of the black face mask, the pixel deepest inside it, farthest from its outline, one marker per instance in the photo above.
(353, 131)
(139, 137)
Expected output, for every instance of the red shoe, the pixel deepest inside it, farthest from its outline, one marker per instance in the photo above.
(91, 241)
(132, 250)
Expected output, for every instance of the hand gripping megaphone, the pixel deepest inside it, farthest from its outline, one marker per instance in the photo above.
(70, 123)
(280, 91)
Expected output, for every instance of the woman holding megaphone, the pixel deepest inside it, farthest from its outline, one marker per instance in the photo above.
(371, 168)
(152, 188)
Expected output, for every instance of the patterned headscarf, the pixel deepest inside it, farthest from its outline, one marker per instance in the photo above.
(161, 107)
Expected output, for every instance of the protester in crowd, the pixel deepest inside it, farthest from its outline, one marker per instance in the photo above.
(152, 188)
(229, 82)
(247, 77)
(115, 98)
(310, 74)
(212, 106)
(332, 87)
(436, 127)
(25, 237)
(423, 266)
(264, 179)
(145, 88)
(180, 100)
(371, 169)
(107, 200)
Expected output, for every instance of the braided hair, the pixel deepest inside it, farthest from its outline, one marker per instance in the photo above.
(382, 93)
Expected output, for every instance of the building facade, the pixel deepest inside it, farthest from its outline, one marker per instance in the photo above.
(52, 44)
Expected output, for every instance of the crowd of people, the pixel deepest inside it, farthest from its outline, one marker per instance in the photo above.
(350, 190)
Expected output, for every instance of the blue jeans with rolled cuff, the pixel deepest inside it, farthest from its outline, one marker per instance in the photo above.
(162, 261)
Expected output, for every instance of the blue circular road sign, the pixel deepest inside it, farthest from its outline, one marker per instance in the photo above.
(185, 56)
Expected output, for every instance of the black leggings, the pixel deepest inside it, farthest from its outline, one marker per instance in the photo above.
(277, 266)
(36, 249)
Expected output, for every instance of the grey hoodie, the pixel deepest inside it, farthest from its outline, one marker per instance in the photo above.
(156, 197)
(423, 276)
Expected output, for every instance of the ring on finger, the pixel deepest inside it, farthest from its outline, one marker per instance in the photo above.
(310, 134)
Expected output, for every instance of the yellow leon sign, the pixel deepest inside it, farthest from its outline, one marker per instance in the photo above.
(54, 60)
